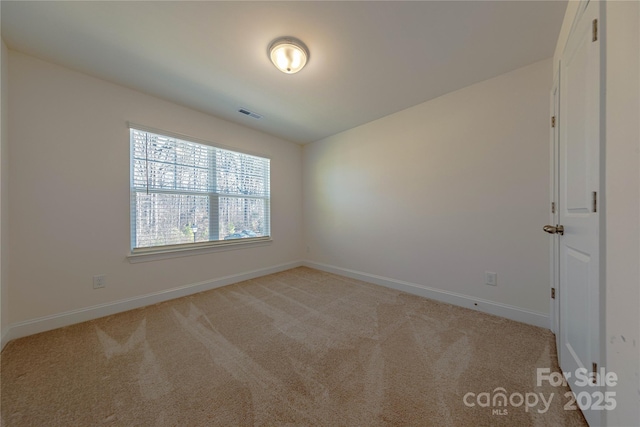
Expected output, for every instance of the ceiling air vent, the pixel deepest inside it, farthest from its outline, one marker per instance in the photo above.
(249, 113)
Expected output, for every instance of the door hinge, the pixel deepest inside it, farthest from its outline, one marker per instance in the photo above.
(594, 378)
(595, 201)
(553, 207)
(553, 121)
(594, 30)
(553, 293)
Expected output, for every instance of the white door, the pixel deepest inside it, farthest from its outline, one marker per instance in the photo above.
(579, 192)
(554, 217)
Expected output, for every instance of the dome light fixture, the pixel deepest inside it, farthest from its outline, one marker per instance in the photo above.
(288, 54)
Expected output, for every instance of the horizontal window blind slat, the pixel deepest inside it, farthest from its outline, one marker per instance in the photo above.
(195, 193)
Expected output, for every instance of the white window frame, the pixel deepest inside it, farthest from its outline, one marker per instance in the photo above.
(153, 253)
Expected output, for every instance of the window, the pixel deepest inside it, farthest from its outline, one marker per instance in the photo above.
(191, 194)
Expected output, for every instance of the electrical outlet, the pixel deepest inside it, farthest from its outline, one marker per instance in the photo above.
(490, 278)
(308, 249)
(99, 282)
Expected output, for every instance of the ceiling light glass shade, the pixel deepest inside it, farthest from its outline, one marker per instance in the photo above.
(289, 55)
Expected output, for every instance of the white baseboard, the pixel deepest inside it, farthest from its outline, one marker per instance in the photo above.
(47, 323)
(490, 307)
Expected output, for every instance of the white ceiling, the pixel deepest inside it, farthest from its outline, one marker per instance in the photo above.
(368, 58)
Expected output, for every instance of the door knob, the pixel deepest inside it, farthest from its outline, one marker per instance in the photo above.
(553, 230)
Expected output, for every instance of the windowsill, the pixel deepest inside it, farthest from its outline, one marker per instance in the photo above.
(151, 254)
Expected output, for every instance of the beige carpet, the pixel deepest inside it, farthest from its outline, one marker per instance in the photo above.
(301, 347)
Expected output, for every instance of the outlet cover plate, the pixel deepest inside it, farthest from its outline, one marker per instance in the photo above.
(99, 281)
(490, 278)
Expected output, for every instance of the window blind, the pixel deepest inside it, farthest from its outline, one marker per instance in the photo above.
(184, 192)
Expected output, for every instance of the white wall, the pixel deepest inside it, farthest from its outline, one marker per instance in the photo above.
(69, 194)
(437, 194)
(623, 208)
(4, 194)
(620, 29)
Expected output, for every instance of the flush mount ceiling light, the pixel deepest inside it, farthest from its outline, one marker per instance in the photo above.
(288, 54)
